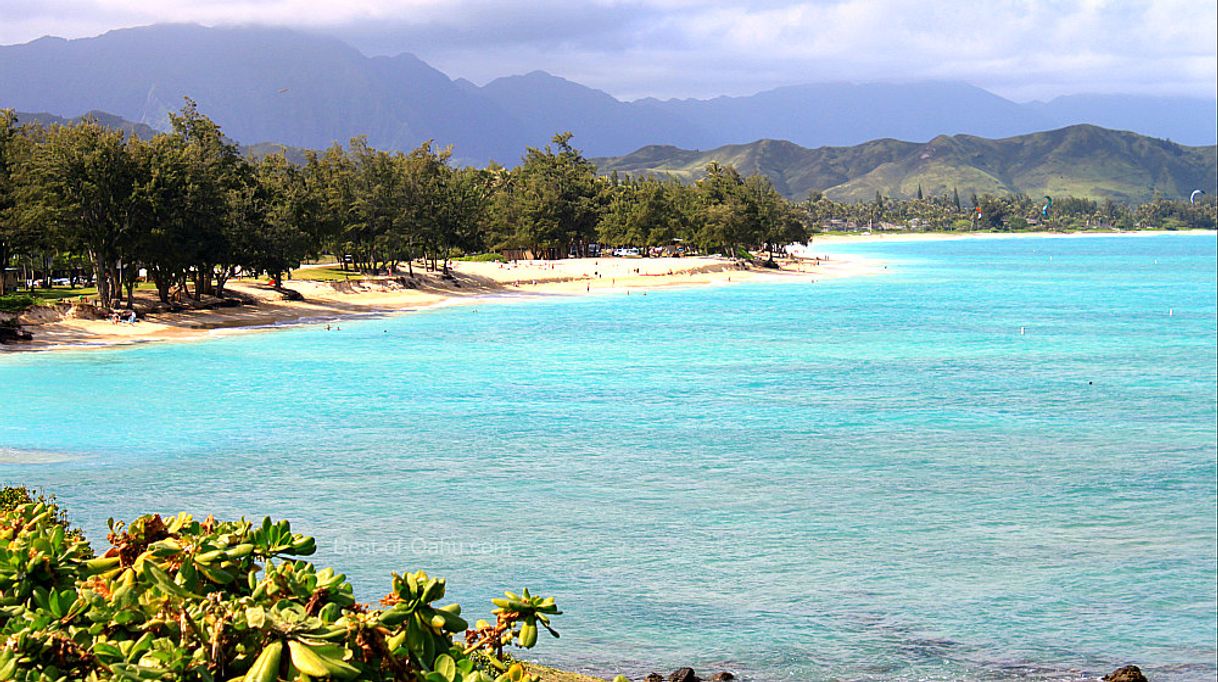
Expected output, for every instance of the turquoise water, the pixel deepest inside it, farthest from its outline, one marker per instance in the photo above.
(867, 479)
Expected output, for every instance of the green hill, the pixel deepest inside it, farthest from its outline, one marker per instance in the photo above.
(1081, 160)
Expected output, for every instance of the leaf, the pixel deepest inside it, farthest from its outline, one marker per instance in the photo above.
(446, 667)
(256, 617)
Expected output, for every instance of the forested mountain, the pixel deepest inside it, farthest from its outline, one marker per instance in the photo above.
(1082, 161)
(107, 119)
(144, 131)
(260, 84)
(305, 90)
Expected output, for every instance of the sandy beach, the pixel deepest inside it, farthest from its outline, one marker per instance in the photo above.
(473, 282)
(62, 328)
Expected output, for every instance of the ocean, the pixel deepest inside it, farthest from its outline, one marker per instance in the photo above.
(996, 460)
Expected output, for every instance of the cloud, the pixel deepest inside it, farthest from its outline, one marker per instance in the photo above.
(632, 48)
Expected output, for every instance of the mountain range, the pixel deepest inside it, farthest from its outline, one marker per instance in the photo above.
(305, 90)
(1080, 160)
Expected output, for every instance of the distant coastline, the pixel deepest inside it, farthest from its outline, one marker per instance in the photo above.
(894, 236)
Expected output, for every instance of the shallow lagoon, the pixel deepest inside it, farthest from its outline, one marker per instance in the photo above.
(877, 478)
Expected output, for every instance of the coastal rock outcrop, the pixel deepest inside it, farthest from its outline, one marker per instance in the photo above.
(1129, 673)
(689, 675)
(13, 334)
(684, 675)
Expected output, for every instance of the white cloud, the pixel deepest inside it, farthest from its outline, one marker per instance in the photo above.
(1020, 48)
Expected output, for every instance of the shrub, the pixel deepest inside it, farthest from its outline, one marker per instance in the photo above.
(12, 497)
(16, 303)
(182, 599)
(484, 258)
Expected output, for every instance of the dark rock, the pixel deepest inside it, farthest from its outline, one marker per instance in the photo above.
(684, 675)
(722, 677)
(654, 677)
(1130, 673)
(9, 334)
(290, 295)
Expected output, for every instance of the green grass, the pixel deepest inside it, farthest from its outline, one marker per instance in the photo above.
(18, 301)
(55, 294)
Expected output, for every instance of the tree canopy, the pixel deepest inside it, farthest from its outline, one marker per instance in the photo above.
(186, 211)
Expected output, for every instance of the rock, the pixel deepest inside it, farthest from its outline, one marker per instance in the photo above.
(1130, 673)
(85, 311)
(13, 334)
(722, 677)
(654, 677)
(683, 675)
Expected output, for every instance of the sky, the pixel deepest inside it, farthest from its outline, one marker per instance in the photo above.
(1021, 49)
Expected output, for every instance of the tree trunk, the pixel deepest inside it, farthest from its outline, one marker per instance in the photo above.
(101, 274)
(163, 282)
(222, 277)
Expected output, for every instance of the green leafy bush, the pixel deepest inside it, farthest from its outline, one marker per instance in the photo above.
(12, 497)
(16, 303)
(182, 599)
(483, 258)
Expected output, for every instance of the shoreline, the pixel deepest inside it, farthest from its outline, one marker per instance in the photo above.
(472, 283)
(898, 236)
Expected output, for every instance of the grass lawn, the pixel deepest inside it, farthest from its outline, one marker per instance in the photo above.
(54, 293)
(17, 300)
(60, 293)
